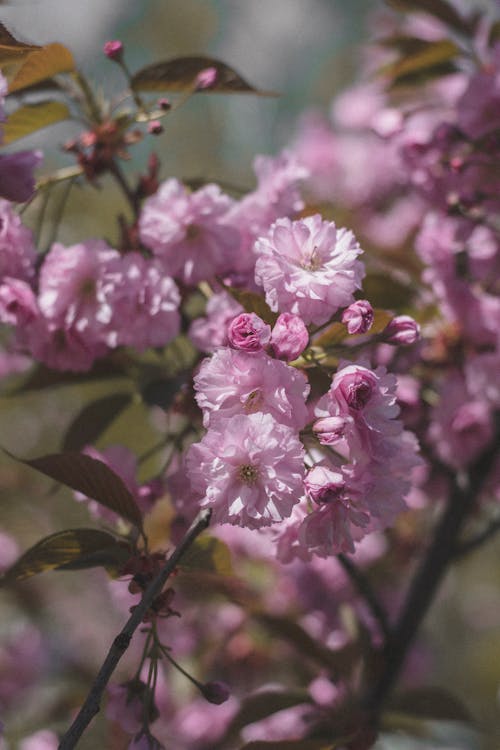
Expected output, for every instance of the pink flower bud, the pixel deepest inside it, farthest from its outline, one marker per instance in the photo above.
(155, 127)
(402, 330)
(215, 692)
(329, 430)
(354, 386)
(358, 317)
(114, 50)
(206, 78)
(248, 332)
(289, 337)
(164, 103)
(323, 485)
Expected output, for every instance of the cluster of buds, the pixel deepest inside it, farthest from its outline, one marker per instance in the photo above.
(144, 568)
(97, 149)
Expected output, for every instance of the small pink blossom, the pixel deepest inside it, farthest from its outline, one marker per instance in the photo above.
(248, 469)
(289, 337)
(18, 306)
(206, 78)
(234, 382)
(308, 267)
(248, 333)
(358, 317)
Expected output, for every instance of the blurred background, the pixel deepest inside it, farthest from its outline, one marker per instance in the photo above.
(307, 51)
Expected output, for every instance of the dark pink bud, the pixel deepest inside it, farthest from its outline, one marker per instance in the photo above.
(402, 330)
(215, 692)
(248, 332)
(354, 385)
(323, 485)
(114, 50)
(289, 337)
(329, 430)
(164, 103)
(155, 127)
(358, 317)
(206, 78)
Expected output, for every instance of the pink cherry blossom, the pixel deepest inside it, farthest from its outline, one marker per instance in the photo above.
(18, 305)
(308, 267)
(234, 382)
(189, 231)
(248, 469)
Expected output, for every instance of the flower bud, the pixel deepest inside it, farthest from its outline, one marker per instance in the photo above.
(155, 127)
(329, 430)
(289, 337)
(114, 50)
(354, 386)
(323, 485)
(248, 332)
(215, 692)
(402, 330)
(358, 317)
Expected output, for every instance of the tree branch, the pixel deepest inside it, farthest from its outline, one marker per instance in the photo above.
(120, 644)
(429, 575)
(362, 584)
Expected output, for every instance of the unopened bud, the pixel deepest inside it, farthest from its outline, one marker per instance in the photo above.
(215, 692)
(289, 337)
(358, 317)
(206, 79)
(402, 330)
(114, 50)
(155, 127)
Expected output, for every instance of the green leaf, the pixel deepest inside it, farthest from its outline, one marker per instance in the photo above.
(261, 705)
(430, 703)
(32, 117)
(42, 64)
(11, 50)
(93, 420)
(179, 74)
(339, 662)
(253, 303)
(293, 745)
(92, 478)
(433, 58)
(209, 555)
(69, 549)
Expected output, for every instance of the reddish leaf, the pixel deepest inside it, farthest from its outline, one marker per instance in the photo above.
(179, 74)
(71, 549)
(90, 477)
(253, 302)
(11, 50)
(93, 420)
(42, 64)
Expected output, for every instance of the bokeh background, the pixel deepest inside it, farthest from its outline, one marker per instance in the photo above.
(307, 50)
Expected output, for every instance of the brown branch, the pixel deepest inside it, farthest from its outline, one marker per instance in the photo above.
(429, 576)
(120, 644)
(364, 589)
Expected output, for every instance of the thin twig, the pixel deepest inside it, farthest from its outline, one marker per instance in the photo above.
(132, 199)
(362, 584)
(120, 644)
(476, 541)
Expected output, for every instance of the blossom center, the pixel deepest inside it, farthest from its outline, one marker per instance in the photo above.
(253, 401)
(248, 474)
(311, 261)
